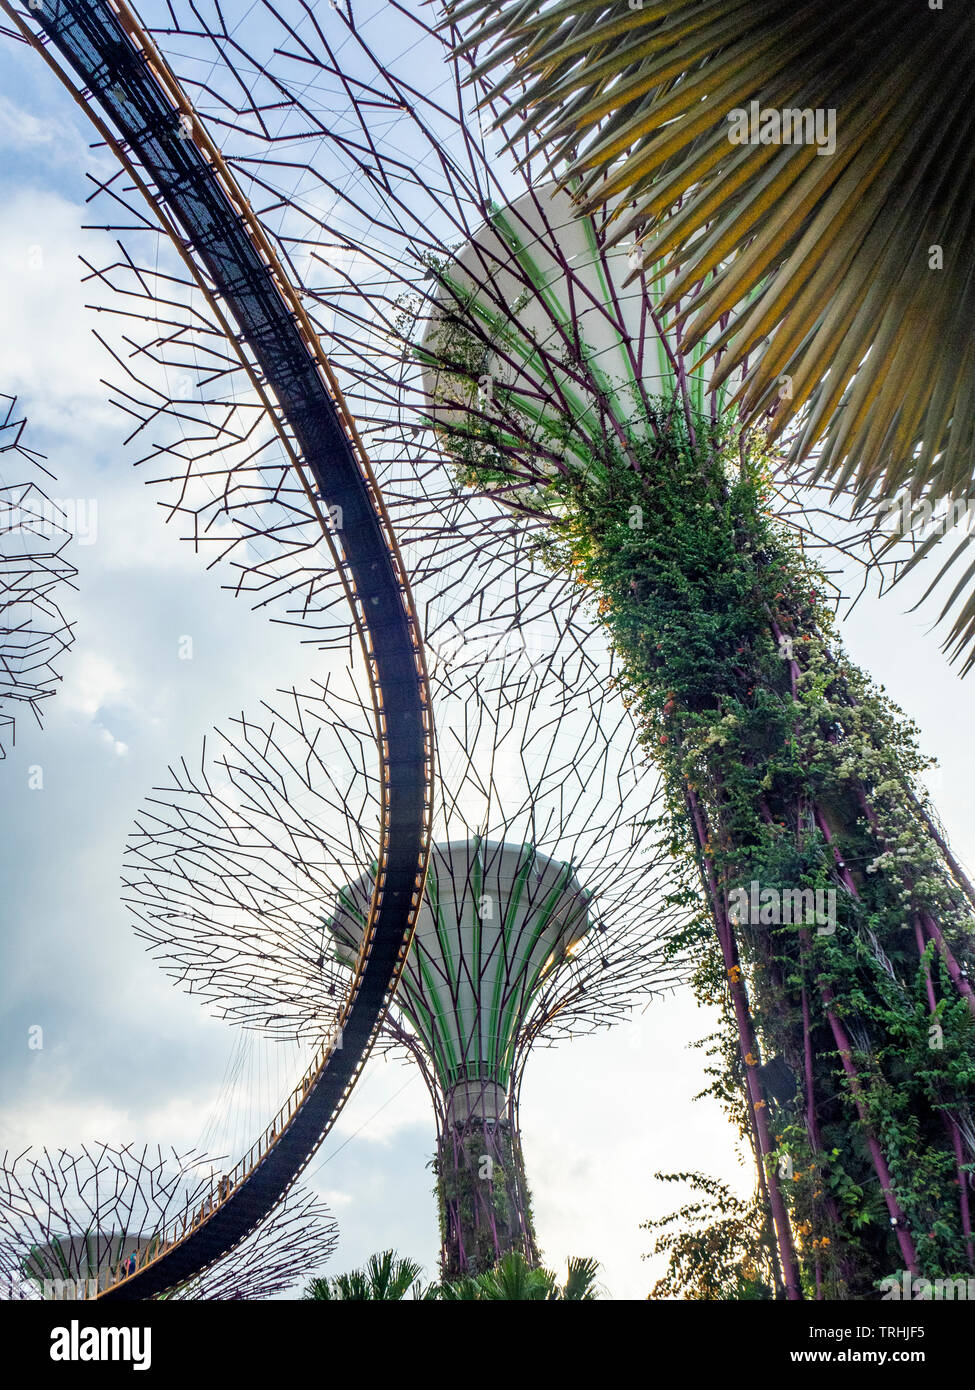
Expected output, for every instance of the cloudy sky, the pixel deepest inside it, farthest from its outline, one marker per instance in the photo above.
(126, 1056)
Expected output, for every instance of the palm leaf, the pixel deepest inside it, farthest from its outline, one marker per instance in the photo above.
(824, 268)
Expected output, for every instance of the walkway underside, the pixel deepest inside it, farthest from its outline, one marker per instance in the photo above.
(104, 57)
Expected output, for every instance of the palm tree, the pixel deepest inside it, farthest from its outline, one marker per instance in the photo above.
(513, 1279)
(580, 1283)
(384, 1278)
(838, 266)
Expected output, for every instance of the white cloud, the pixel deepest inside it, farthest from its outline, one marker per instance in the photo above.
(20, 129)
(55, 1124)
(335, 1198)
(393, 1099)
(92, 681)
(47, 351)
(118, 747)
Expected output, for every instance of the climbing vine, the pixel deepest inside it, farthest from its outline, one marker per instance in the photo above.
(483, 1199)
(847, 1056)
(716, 1245)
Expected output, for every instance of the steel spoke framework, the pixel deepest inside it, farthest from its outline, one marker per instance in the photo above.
(551, 908)
(34, 571)
(73, 1221)
(238, 858)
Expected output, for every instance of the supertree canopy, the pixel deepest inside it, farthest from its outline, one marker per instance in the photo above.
(73, 1222)
(33, 575)
(546, 912)
(567, 342)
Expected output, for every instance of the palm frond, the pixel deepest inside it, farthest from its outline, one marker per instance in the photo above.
(844, 279)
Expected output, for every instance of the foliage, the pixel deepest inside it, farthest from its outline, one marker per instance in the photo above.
(720, 1249)
(783, 766)
(482, 1214)
(843, 275)
(385, 1278)
(512, 1278)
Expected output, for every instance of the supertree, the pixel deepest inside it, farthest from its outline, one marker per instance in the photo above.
(546, 915)
(72, 1222)
(452, 295)
(33, 574)
(789, 777)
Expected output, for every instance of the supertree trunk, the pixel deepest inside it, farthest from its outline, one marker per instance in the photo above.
(482, 1191)
(835, 931)
(837, 935)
